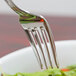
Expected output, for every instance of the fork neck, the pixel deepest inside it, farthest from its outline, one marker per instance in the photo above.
(25, 17)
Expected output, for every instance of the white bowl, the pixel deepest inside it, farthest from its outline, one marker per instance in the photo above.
(24, 60)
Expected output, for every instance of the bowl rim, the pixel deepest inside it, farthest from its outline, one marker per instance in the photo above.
(62, 42)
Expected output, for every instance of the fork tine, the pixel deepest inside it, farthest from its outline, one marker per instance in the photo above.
(32, 42)
(53, 50)
(45, 45)
(51, 41)
(41, 49)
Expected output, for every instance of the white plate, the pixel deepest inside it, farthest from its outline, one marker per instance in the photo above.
(24, 60)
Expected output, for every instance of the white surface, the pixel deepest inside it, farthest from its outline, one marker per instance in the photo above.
(24, 60)
(52, 7)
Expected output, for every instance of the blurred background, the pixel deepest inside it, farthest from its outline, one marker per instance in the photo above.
(61, 15)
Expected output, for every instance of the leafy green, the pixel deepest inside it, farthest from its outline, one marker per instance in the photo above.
(50, 72)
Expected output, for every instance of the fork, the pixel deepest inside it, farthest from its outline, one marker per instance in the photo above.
(39, 33)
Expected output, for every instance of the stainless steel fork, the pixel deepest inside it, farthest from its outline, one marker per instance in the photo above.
(38, 33)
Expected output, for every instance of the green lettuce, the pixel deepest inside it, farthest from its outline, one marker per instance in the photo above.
(50, 72)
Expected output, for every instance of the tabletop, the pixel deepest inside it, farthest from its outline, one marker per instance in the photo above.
(12, 36)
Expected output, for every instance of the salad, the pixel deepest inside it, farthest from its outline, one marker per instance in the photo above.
(68, 71)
